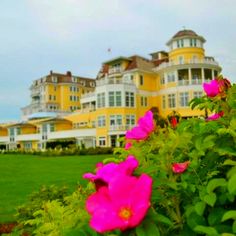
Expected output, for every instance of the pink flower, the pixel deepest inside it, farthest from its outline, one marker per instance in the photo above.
(106, 172)
(143, 129)
(215, 116)
(128, 146)
(179, 168)
(121, 205)
(212, 89)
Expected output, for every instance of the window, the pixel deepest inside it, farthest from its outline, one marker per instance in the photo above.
(100, 100)
(44, 128)
(52, 127)
(180, 43)
(193, 42)
(50, 97)
(129, 99)
(115, 99)
(101, 121)
(130, 120)
(143, 101)
(164, 102)
(162, 80)
(115, 120)
(54, 98)
(171, 100)
(184, 99)
(197, 94)
(181, 60)
(18, 131)
(55, 88)
(74, 79)
(171, 77)
(54, 79)
(141, 80)
(102, 141)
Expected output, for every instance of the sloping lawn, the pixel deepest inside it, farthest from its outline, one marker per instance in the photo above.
(20, 175)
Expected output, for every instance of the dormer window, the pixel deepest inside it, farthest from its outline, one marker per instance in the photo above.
(74, 79)
(54, 79)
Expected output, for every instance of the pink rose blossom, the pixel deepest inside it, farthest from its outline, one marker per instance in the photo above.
(179, 168)
(143, 129)
(121, 205)
(212, 89)
(215, 116)
(128, 146)
(106, 172)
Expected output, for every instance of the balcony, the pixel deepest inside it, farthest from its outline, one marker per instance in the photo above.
(4, 139)
(75, 133)
(27, 137)
(120, 127)
(186, 62)
(183, 82)
(113, 81)
(115, 70)
(196, 81)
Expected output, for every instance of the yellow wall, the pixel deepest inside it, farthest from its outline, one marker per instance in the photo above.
(187, 52)
(3, 132)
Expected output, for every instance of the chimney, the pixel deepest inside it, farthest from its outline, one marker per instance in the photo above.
(68, 73)
(51, 72)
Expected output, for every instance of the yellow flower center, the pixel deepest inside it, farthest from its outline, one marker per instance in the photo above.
(125, 213)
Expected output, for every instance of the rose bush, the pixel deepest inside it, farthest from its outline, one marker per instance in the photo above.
(167, 180)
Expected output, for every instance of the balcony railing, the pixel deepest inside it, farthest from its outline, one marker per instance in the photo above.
(113, 81)
(115, 70)
(175, 63)
(196, 81)
(120, 127)
(183, 82)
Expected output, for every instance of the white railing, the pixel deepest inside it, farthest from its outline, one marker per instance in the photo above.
(120, 127)
(27, 137)
(113, 81)
(115, 70)
(4, 139)
(175, 63)
(75, 133)
(87, 95)
(196, 81)
(183, 82)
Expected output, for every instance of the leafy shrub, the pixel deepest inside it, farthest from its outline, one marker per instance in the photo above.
(198, 200)
(36, 201)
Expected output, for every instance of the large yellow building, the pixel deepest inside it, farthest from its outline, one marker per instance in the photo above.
(56, 94)
(126, 87)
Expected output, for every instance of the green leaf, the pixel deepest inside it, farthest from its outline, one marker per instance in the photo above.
(215, 216)
(234, 227)
(206, 230)
(200, 207)
(147, 228)
(214, 183)
(230, 163)
(210, 199)
(163, 219)
(232, 184)
(229, 215)
(194, 220)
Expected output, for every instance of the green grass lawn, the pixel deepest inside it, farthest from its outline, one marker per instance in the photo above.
(20, 175)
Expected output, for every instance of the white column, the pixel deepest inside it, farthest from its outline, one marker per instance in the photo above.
(203, 75)
(212, 74)
(190, 75)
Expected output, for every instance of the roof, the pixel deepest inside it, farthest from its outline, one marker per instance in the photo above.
(117, 59)
(185, 33)
(139, 62)
(64, 78)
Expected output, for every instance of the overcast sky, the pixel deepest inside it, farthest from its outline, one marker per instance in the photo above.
(60, 35)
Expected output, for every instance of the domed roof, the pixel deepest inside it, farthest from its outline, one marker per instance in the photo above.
(186, 33)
